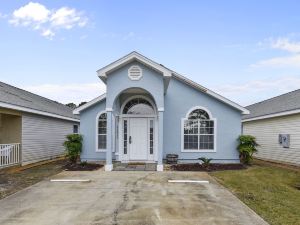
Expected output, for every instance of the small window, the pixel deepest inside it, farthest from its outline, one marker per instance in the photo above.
(75, 129)
(198, 131)
(102, 123)
(135, 72)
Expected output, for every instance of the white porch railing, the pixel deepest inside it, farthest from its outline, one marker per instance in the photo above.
(10, 154)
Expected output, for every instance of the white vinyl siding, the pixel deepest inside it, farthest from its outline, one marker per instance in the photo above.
(43, 137)
(266, 132)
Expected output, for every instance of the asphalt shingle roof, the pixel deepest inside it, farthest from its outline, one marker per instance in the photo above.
(16, 96)
(282, 103)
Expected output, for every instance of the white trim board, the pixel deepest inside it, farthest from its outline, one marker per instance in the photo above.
(34, 111)
(102, 73)
(210, 92)
(167, 73)
(88, 104)
(286, 113)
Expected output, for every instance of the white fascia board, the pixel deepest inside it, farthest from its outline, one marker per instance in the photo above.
(88, 104)
(229, 102)
(34, 111)
(211, 93)
(102, 73)
(286, 113)
(167, 73)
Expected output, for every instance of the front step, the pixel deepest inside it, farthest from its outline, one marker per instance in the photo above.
(135, 167)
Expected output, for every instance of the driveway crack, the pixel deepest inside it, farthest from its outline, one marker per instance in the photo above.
(130, 186)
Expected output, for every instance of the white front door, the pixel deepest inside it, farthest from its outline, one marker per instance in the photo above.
(138, 139)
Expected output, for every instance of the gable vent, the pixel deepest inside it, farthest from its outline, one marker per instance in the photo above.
(135, 72)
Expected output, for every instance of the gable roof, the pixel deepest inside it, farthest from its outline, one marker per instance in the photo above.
(15, 98)
(135, 56)
(281, 105)
(166, 72)
(89, 104)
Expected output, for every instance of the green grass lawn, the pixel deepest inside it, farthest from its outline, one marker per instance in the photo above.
(268, 189)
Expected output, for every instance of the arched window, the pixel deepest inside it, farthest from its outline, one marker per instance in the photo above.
(198, 131)
(138, 106)
(198, 114)
(102, 123)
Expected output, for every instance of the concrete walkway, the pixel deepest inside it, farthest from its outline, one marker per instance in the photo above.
(126, 198)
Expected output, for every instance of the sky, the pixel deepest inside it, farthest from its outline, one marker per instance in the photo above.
(247, 51)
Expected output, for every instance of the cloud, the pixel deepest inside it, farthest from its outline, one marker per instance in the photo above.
(285, 61)
(67, 18)
(48, 33)
(46, 21)
(257, 90)
(32, 13)
(75, 93)
(284, 44)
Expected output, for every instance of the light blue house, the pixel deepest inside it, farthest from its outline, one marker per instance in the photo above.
(150, 111)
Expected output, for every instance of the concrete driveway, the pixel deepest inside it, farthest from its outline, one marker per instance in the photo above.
(132, 198)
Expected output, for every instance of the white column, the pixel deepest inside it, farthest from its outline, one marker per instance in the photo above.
(109, 165)
(160, 166)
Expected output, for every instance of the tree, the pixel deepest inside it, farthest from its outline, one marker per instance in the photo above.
(71, 105)
(81, 103)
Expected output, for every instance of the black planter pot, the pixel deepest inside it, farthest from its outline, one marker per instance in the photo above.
(172, 158)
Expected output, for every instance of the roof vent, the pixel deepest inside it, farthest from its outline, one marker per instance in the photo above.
(135, 72)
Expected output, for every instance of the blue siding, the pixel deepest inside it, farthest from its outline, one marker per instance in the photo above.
(119, 81)
(179, 99)
(88, 129)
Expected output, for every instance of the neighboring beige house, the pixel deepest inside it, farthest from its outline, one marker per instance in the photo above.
(32, 128)
(276, 125)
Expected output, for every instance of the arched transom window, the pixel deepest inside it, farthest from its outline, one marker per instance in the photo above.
(138, 106)
(198, 131)
(102, 123)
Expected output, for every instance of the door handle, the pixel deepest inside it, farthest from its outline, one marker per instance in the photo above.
(129, 139)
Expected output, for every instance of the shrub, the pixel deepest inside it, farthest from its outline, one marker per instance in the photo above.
(73, 146)
(83, 163)
(247, 146)
(205, 161)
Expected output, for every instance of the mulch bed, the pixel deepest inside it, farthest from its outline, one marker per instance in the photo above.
(82, 167)
(210, 168)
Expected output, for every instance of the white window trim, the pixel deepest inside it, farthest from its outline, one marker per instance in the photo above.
(96, 140)
(182, 132)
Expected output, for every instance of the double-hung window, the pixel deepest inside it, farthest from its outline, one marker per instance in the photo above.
(198, 132)
(102, 123)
